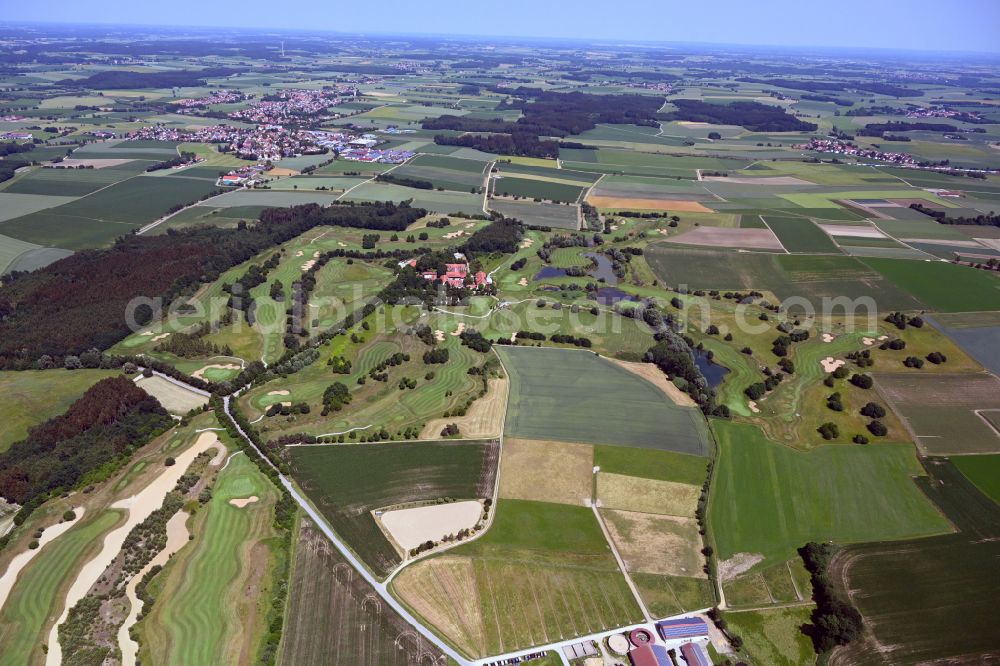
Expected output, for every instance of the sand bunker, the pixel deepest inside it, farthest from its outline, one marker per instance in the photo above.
(412, 527)
(200, 374)
(527, 242)
(341, 244)
(281, 392)
(830, 364)
(243, 501)
(523, 282)
(828, 337)
(753, 407)
(635, 203)
(299, 253)
(160, 337)
(21, 559)
(139, 507)
(439, 335)
(867, 342)
(177, 536)
(454, 234)
(308, 265)
(458, 331)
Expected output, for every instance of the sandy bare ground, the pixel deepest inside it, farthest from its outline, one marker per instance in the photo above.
(482, 420)
(240, 502)
(175, 399)
(765, 180)
(664, 545)
(655, 376)
(411, 527)
(754, 239)
(631, 493)
(737, 564)
(443, 590)
(139, 508)
(280, 171)
(177, 536)
(853, 230)
(73, 162)
(200, 373)
(636, 203)
(21, 559)
(528, 466)
(992, 243)
(830, 364)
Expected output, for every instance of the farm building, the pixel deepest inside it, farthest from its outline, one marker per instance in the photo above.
(694, 655)
(685, 627)
(649, 655)
(579, 650)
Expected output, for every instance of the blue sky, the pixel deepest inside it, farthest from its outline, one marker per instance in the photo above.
(936, 25)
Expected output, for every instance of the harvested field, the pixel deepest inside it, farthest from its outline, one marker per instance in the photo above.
(629, 203)
(175, 398)
(326, 592)
(852, 230)
(940, 409)
(411, 527)
(547, 471)
(577, 396)
(482, 420)
(672, 595)
(346, 482)
(629, 493)
(783, 181)
(654, 375)
(664, 545)
(752, 239)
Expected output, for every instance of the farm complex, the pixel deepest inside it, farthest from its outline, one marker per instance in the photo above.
(424, 351)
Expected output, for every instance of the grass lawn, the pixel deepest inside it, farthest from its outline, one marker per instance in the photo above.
(203, 613)
(651, 464)
(773, 636)
(577, 396)
(769, 499)
(34, 396)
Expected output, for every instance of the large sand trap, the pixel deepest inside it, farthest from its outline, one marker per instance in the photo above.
(308, 265)
(439, 335)
(281, 392)
(527, 242)
(755, 239)
(828, 337)
(200, 374)
(160, 337)
(655, 376)
(241, 502)
(454, 234)
(412, 527)
(21, 559)
(458, 331)
(177, 536)
(139, 507)
(635, 203)
(867, 342)
(753, 407)
(830, 364)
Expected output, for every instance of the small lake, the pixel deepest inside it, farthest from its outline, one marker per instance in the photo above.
(604, 268)
(549, 272)
(714, 373)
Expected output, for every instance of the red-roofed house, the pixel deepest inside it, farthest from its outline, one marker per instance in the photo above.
(480, 278)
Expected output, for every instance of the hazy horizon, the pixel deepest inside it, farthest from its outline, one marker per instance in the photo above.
(967, 26)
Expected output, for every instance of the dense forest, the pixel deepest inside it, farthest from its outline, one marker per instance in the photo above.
(124, 80)
(112, 419)
(519, 144)
(873, 87)
(81, 302)
(500, 235)
(754, 116)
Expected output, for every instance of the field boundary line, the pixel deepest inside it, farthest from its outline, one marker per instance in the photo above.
(621, 564)
(351, 189)
(776, 235)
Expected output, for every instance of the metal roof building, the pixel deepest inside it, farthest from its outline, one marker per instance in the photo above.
(685, 627)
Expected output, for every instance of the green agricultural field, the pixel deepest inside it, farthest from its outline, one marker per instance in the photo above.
(983, 471)
(438, 202)
(34, 396)
(202, 613)
(651, 464)
(537, 189)
(346, 482)
(451, 173)
(100, 217)
(942, 286)
(557, 216)
(800, 235)
(671, 595)
(770, 500)
(908, 591)
(15, 205)
(74, 182)
(542, 572)
(576, 396)
(34, 599)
